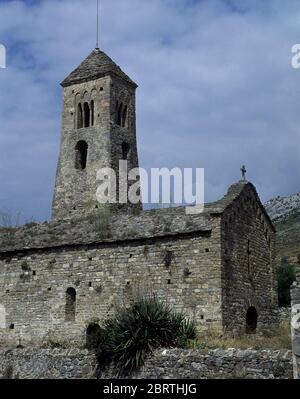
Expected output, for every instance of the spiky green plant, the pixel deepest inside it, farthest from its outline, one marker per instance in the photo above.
(133, 333)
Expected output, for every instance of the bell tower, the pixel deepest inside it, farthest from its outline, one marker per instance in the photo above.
(98, 130)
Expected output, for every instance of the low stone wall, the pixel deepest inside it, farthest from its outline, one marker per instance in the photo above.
(175, 363)
(216, 364)
(47, 364)
(60, 363)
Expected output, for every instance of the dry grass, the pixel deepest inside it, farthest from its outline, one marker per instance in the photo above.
(276, 339)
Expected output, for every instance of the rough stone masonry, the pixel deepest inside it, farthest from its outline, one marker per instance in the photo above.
(57, 363)
(59, 281)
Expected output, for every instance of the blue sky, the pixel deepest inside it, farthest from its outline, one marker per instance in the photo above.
(216, 89)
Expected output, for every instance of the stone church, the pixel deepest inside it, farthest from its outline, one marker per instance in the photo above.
(60, 280)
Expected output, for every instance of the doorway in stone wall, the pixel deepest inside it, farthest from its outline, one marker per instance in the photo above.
(93, 335)
(251, 320)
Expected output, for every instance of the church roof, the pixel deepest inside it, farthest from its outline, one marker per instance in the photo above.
(96, 65)
(233, 193)
(149, 224)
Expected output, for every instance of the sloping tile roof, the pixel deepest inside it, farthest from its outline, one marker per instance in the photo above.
(96, 65)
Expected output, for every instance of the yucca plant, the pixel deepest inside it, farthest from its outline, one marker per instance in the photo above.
(134, 332)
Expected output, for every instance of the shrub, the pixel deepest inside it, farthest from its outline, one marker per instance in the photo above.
(133, 333)
(9, 224)
(276, 338)
(100, 219)
(286, 277)
(8, 221)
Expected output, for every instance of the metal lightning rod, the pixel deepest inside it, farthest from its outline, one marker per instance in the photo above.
(97, 41)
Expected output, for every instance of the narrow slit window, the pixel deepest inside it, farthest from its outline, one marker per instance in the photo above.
(117, 112)
(87, 115)
(92, 113)
(79, 117)
(70, 304)
(125, 150)
(120, 113)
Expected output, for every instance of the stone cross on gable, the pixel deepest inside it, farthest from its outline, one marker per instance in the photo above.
(244, 171)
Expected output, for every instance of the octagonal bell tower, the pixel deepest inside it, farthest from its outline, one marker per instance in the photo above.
(98, 130)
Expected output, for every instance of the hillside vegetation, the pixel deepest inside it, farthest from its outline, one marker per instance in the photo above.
(285, 213)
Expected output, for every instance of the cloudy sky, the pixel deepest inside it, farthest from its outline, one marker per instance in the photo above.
(216, 89)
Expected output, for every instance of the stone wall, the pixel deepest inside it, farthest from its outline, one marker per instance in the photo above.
(249, 266)
(194, 262)
(183, 270)
(284, 315)
(47, 364)
(175, 363)
(120, 227)
(295, 324)
(230, 363)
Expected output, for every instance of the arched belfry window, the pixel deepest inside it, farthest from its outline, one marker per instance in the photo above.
(70, 304)
(120, 112)
(125, 150)
(81, 152)
(87, 116)
(79, 117)
(124, 117)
